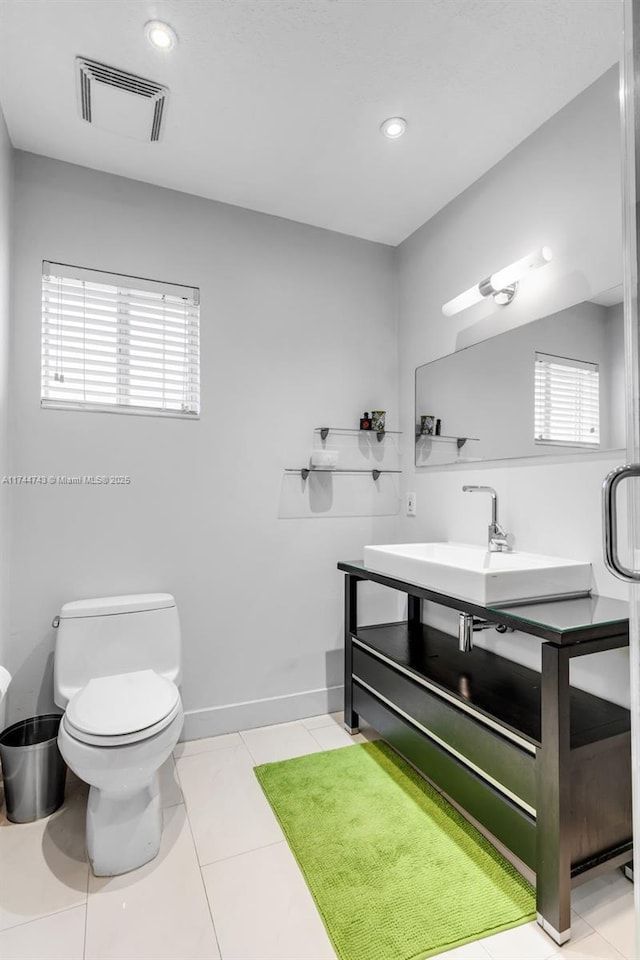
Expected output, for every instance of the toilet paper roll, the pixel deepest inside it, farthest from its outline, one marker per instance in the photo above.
(324, 459)
(5, 680)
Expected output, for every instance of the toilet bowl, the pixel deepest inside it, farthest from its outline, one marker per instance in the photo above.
(116, 670)
(115, 735)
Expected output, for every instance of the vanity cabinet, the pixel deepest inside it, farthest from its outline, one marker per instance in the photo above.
(542, 766)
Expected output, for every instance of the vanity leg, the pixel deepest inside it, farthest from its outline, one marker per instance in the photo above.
(553, 853)
(351, 719)
(414, 612)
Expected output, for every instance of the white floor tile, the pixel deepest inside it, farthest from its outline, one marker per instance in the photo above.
(607, 888)
(45, 861)
(189, 747)
(323, 720)
(263, 910)
(158, 912)
(538, 942)
(337, 720)
(593, 947)
(228, 811)
(470, 951)
(280, 742)
(260, 901)
(526, 942)
(606, 903)
(579, 927)
(331, 737)
(170, 792)
(58, 937)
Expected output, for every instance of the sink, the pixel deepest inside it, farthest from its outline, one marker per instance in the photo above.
(473, 573)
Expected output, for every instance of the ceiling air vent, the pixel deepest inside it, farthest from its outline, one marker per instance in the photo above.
(121, 102)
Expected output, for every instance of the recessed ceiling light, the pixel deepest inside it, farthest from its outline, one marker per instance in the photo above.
(393, 128)
(160, 35)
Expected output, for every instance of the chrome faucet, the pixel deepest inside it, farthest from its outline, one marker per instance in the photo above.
(497, 536)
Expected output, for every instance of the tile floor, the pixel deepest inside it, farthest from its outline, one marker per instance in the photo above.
(225, 884)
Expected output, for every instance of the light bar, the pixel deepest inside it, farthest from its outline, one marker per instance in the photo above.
(503, 282)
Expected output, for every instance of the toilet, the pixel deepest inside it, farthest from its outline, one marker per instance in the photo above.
(116, 674)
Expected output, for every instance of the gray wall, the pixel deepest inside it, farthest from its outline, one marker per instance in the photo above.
(298, 329)
(560, 187)
(6, 164)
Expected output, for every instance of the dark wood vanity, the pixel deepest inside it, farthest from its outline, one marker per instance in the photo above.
(543, 766)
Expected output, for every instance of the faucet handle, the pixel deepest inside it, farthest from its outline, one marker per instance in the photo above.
(498, 538)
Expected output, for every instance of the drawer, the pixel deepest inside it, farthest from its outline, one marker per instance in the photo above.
(506, 766)
(503, 819)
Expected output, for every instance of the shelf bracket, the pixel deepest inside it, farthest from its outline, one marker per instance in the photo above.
(304, 473)
(380, 435)
(324, 432)
(375, 474)
(460, 442)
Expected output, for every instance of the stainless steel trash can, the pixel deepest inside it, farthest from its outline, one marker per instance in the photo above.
(33, 770)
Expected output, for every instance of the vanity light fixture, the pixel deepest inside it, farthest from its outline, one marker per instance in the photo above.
(501, 285)
(393, 128)
(160, 35)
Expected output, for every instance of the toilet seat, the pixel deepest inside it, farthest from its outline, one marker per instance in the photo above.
(120, 709)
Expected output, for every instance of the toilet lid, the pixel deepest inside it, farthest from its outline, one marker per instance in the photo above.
(122, 704)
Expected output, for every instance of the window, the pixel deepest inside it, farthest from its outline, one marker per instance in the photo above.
(567, 401)
(119, 344)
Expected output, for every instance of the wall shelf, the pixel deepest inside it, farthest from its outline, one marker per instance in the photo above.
(325, 431)
(374, 468)
(305, 471)
(459, 441)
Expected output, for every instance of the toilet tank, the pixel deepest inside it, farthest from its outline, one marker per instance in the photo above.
(109, 635)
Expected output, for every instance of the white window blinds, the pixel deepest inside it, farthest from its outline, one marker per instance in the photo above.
(119, 344)
(567, 401)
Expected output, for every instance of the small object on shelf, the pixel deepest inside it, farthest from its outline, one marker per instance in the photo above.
(365, 422)
(427, 424)
(377, 420)
(325, 459)
(438, 427)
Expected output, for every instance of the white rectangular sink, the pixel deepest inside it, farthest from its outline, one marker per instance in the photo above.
(473, 573)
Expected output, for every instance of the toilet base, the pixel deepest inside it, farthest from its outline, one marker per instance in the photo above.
(124, 829)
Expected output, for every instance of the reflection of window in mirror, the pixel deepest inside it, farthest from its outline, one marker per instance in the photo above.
(567, 401)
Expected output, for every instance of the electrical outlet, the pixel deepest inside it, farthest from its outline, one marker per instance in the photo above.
(411, 504)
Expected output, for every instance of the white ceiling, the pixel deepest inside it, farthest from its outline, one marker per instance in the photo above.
(276, 104)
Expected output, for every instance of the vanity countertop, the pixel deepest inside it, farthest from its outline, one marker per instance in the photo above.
(563, 621)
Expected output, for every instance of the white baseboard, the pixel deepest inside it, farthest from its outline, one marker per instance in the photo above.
(212, 721)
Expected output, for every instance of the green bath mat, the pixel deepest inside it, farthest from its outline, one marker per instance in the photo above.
(395, 871)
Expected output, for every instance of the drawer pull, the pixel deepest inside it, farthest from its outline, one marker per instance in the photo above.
(461, 705)
(459, 756)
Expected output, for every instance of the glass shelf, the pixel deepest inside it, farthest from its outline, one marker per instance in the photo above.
(459, 441)
(325, 431)
(305, 471)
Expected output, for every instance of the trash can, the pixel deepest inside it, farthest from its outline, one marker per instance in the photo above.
(33, 769)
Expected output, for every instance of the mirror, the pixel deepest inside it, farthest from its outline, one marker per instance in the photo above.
(552, 387)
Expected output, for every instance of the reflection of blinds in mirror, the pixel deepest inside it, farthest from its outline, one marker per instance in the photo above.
(567, 401)
(119, 344)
